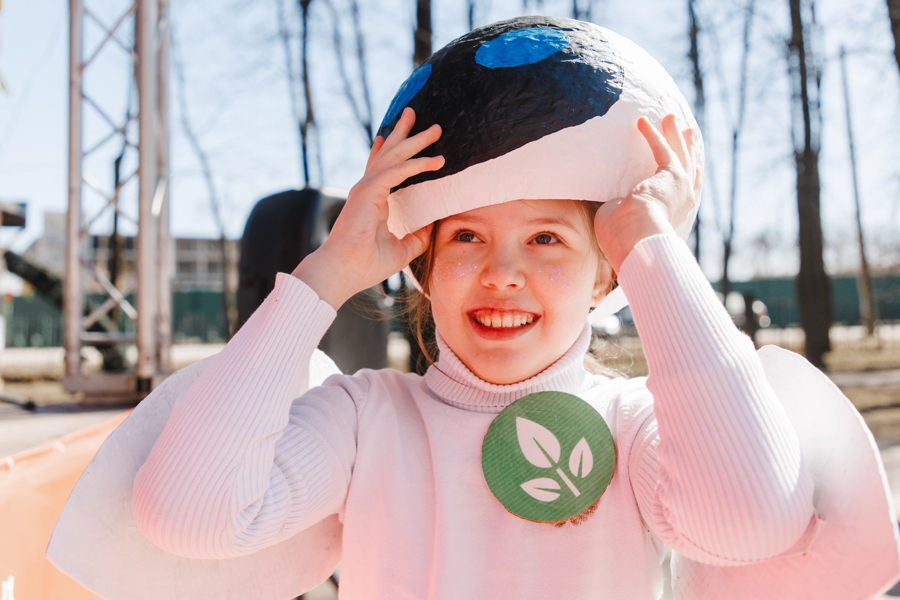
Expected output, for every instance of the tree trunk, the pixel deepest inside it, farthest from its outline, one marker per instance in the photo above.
(307, 122)
(866, 304)
(894, 14)
(699, 98)
(813, 287)
(422, 49)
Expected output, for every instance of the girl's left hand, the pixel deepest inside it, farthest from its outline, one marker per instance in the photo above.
(666, 197)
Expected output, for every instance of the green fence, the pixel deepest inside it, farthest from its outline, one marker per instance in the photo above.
(32, 321)
(199, 315)
(780, 296)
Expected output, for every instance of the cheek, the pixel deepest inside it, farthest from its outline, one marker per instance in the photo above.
(449, 270)
(560, 277)
(563, 277)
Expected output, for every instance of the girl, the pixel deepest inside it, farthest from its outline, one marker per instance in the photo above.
(398, 476)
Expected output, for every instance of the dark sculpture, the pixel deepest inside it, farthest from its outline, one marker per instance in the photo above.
(280, 231)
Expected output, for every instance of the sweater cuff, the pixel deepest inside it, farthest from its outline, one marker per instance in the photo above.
(293, 304)
(672, 301)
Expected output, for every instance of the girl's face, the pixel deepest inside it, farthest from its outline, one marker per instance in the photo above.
(512, 285)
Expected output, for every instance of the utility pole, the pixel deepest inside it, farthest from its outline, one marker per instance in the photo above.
(152, 315)
(866, 301)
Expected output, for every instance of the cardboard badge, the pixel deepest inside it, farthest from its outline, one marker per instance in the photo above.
(548, 457)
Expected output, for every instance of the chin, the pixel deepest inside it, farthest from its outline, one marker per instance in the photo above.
(506, 369)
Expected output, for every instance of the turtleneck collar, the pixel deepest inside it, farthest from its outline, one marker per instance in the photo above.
(457, 386)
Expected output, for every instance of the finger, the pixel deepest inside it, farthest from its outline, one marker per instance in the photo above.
(376, 148)
(662, 153)
(402, 128)
(409, 147)
(394, 176)
(676, 141)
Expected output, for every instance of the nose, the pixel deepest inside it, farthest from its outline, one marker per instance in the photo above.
(503, 270)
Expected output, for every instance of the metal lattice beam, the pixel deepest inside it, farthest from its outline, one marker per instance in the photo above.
(152, 313)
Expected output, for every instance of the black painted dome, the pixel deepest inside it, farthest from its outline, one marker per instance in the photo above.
(534, 108)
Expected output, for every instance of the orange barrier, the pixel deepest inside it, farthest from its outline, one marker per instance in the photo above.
(34, 486)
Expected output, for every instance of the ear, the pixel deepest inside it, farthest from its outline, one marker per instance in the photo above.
(605, 282)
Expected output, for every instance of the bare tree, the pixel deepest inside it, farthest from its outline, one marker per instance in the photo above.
(894, 15)
(229, 301)
(304, 119)
(308, 123)
(582, 11)
(813, 286)
(362, 109)
(422, 35)
(866, 304)
(470, 13)
(699, 96)
(736, 130)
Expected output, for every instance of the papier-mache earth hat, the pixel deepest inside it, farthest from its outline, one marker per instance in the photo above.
(534, 108)
(530, 108)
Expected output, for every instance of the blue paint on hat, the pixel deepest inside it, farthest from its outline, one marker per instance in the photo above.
(407, 92)
(521, 47)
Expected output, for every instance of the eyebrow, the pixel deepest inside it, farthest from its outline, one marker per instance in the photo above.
(550, 221)
(536, 222)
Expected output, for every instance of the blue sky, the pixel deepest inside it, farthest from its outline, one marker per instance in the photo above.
(238, 101)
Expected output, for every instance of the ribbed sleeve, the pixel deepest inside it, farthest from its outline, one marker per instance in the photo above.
(238, 465)
(718, 474)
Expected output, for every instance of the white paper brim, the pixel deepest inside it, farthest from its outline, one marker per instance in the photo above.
(852, 553)
(97, 542)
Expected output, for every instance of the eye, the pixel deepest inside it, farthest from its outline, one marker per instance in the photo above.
(546, 238)
(465, 236)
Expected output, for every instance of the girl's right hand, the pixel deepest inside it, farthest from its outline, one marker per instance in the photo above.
(360, 251)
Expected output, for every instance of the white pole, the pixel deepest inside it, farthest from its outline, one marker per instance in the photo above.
(147, 45)
(73, 301)
(164, 288)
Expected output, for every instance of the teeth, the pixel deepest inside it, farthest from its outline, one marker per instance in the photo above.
(503, 319)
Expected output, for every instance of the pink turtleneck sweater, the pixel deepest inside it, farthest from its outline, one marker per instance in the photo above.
(707, 460)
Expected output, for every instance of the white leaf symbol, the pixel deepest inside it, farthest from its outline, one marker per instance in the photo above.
(537, 444)
(581, 457)
(539, 489)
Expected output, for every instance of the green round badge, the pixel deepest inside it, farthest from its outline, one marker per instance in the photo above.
(548, 457)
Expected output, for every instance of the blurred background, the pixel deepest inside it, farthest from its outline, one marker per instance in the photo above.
(209, 145)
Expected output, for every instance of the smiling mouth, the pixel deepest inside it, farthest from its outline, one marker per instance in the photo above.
(503, 319)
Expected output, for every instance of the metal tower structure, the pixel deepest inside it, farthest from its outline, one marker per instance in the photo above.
(152, 314)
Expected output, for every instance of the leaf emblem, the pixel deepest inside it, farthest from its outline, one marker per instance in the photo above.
(581, 461)
(541, 489)
(538, 445)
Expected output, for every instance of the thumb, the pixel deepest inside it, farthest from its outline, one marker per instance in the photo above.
(417, 242)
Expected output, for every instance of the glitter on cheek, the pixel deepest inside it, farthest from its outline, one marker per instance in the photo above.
(452, 270)
(557, 276)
